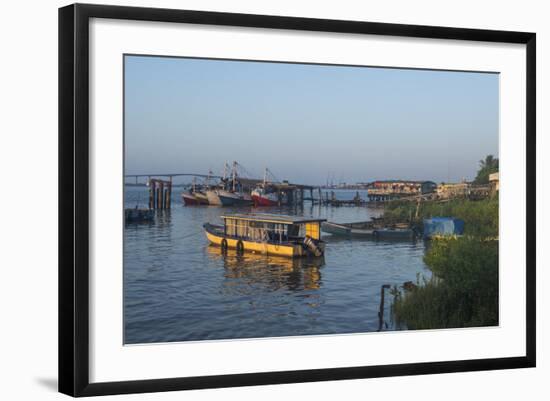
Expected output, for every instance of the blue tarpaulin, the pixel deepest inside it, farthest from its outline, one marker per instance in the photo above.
(443, 226)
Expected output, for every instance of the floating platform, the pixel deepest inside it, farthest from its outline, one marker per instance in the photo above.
(138, 215)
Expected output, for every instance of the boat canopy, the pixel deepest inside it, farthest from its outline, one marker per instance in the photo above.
(272, 218)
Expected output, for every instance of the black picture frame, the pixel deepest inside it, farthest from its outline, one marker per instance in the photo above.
(74, 198)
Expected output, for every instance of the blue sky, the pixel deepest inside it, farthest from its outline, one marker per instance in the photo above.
(307, 122)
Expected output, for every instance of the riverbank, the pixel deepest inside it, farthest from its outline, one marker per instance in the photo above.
(463, 289)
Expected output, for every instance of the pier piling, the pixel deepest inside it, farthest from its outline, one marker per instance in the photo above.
(160, 194)
(381, 311)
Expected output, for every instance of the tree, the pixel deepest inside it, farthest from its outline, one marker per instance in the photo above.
(486, 167)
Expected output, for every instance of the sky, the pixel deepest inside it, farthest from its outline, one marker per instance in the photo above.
(307, 123)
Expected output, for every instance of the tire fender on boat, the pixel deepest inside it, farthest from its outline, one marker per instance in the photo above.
(240, 247)
(224, 245)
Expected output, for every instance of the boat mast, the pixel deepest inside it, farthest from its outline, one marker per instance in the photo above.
(225, 166)
(207, 182)
(234, 173)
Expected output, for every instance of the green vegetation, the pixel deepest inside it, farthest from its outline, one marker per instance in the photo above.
(486, 167)
(463, 289)
(480, 217)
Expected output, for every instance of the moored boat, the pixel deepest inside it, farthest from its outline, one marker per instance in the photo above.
(271, 234)
(213, 198)
(233, 199)
(193, 198)
(263, 198)
(369, 230)
(189, 199)
(201, 197)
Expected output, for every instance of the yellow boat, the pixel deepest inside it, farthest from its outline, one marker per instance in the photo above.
(270, 234)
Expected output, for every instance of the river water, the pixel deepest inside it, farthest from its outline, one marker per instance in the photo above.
(178, 288)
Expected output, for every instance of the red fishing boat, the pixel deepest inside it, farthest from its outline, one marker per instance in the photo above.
(263, 198)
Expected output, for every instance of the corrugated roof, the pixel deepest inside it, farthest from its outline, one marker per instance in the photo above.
(272, 218)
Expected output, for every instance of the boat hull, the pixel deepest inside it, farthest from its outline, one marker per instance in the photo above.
(189, 200)
(347, 230)
(335, 229)
(397, 234)
(263, 201)
(231, 199)
(202, 198)
(213, 198)
(215, 236)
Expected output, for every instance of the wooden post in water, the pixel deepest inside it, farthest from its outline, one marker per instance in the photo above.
(168, 194)
(161, 195)
(169, 202)
(381, 311)
(151, 194)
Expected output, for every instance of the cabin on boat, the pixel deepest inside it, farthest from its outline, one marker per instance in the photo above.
(274, 234)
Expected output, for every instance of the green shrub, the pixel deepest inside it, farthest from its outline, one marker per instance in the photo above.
(463, 291)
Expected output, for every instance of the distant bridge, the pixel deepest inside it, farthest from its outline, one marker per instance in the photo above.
(169, 176)
(172, 175)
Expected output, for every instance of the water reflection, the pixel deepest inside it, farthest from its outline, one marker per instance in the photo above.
(271, 272)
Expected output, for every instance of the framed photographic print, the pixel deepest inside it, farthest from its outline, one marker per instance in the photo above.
(251, 199)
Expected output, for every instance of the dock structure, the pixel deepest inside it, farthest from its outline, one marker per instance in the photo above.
(387, 190)
(160, 193)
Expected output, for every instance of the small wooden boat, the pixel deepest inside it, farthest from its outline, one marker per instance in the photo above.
(369, 230)
(270, 234)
